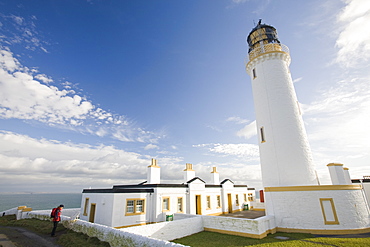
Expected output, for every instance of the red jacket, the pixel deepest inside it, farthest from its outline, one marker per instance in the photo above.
(58, 212)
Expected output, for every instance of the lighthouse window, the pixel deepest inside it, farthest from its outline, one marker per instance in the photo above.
(262, 135)
(254, 73)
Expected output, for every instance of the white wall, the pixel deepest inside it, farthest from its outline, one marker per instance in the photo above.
(103, 210)
(173, 194)
(119, 217)
(302, 209)
(169, 230)
(257, 228)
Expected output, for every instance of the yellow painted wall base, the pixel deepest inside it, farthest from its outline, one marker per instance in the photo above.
(291, 230)
(258, 209)
(215, 214)
(324, 231)
(243, 234)
(141, 224)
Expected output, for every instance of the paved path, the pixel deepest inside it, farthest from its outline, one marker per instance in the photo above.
(5, 242)
(18, 236)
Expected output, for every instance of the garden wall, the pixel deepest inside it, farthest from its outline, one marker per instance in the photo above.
(170, 230)
(115, 237)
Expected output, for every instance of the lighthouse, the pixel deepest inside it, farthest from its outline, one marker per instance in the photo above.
(285, 153)
(293, 196)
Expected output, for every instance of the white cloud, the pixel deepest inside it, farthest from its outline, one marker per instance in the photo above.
(150, 146)
(239, 1)
(297, 80)
(28, 96)
(245, 151)
(43, 78)
(21, 30)
(337, 126)
(237, 120)
(248, 131)
(354, 38)
(31, 162)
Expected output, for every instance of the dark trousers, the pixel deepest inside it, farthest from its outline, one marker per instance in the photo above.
(54, 228)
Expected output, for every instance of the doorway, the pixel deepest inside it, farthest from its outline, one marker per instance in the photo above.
(198, 205)
(230, 203)
(92, 212)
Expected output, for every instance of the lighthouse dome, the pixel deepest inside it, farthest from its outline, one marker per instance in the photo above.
(262, 34)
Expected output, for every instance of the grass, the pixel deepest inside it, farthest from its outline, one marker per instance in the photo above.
(68, 238)
(212, 239)
(65, 237)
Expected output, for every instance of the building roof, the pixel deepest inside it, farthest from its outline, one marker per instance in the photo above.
(114, 190)
(356, 181)
(143, 187)
(195, 178)
(225, 180)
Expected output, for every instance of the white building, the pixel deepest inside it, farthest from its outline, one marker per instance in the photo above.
(365, 183)
(292, 191)
(151, 201)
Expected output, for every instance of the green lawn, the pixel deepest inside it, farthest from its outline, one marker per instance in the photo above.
(65, 237)
(212, 239)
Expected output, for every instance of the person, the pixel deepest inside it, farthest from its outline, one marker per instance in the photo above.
(56, 219)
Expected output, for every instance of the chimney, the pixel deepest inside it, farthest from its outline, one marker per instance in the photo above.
(189, 172)
(336, 173)
(347, 176)
(215, 177)
(154, 173)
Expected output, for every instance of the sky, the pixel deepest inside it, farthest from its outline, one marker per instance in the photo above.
(92, 90)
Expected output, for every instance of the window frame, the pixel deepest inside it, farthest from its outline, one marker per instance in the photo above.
(254, 73)
(218, 198)
(262, 133)
(135, 206)
(86, 207)
(180, 204)
(168, 204)
(208, 200)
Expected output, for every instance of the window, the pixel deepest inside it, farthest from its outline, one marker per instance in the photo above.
(218, 201)
(130, 206)
(262, 135)
(139, 206)
(328, 211)
(179, 204)
(166, 204)
(254, 73)
(245, 197)
(135, 206)
(208, 202)
(86, 208)
(250, 197)
(237, 200)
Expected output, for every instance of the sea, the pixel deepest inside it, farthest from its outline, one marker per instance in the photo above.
(38, 201)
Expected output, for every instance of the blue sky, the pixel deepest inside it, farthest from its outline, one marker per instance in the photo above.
(90, 91)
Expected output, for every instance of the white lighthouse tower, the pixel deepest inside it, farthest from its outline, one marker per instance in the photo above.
(284, 150)
(293, 196)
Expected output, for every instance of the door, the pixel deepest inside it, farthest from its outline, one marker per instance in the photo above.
(92, 212)
(198, 205)
(230, 203)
